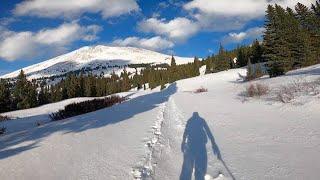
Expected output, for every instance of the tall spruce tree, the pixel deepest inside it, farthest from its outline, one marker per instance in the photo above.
(257, 52)
(20, 91)
(241, 57)
(269, 37)
(173, 62)
(308, 34)
(5, 96)
(125, 83)
(43, 97)
(222, 60)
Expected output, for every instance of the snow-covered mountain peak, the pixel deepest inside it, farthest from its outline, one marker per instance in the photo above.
(95, 57)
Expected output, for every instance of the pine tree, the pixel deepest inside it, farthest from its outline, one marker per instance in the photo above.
(125, 83)
(282, 45)
(173, 62)
(197, 62)
(277, 47)
(5, 103)
(20, 91)
(250, 71)
(90, 86)
(222, 61)
(81, 86)
(43, 96)
(31, 98)
(316, 8)
(257, 52)
(241, 58)
(316, 36)
(309, 41)
(269, 37)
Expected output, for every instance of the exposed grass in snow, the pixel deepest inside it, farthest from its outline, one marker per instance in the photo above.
(256, 90)
(286, 93)
(297, 88)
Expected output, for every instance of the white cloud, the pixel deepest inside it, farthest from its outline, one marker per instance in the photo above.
(18, 45)
(178, 29)
(74, 8)
(155, 43)
(212, 15)
(224, 15)
(250, 34)
(5, 21)
(244, 8)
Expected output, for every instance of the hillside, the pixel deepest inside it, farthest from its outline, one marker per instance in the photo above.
(97, 59)
(142, 138)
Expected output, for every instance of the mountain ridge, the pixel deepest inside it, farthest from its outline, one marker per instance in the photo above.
(95, 57)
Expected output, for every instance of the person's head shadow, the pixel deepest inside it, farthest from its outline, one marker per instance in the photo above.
(193, 146)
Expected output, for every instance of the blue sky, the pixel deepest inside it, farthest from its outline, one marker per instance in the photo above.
(33, 31)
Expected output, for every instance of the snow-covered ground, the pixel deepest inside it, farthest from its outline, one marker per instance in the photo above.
(174, 134)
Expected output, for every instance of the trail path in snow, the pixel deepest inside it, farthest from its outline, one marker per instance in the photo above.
(254, 139)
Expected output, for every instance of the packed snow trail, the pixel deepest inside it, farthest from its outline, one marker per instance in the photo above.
(252, 140)
(145, 169)
(192, 146)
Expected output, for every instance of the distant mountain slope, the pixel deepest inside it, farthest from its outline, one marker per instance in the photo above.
(99, 58)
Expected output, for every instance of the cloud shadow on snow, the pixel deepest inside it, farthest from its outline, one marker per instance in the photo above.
(14, 143)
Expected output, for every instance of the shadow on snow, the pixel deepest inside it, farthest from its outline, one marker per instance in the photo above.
(84, 122)
(193, 145)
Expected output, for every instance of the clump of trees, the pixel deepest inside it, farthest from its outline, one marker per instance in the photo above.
(224, 60)
(292, 37)
(21, 95)
(220, 62)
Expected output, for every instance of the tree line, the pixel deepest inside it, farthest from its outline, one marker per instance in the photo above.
(292, 37)
(291, 40)
(235, 58)
(23, 94)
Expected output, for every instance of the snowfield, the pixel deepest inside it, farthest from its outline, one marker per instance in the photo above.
(174, 133)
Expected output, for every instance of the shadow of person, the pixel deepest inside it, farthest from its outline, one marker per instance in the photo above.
(195, 138)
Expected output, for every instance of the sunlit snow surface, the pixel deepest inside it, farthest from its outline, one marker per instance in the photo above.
(143, 138)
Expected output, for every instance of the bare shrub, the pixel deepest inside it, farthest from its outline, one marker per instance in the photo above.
(262, 89)
(4, 118)
(201, 90)
(38, 123)
(3, 130)
(254, 90)
(251, 90)
(297, 88)
(285, 94)
(86, 107)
